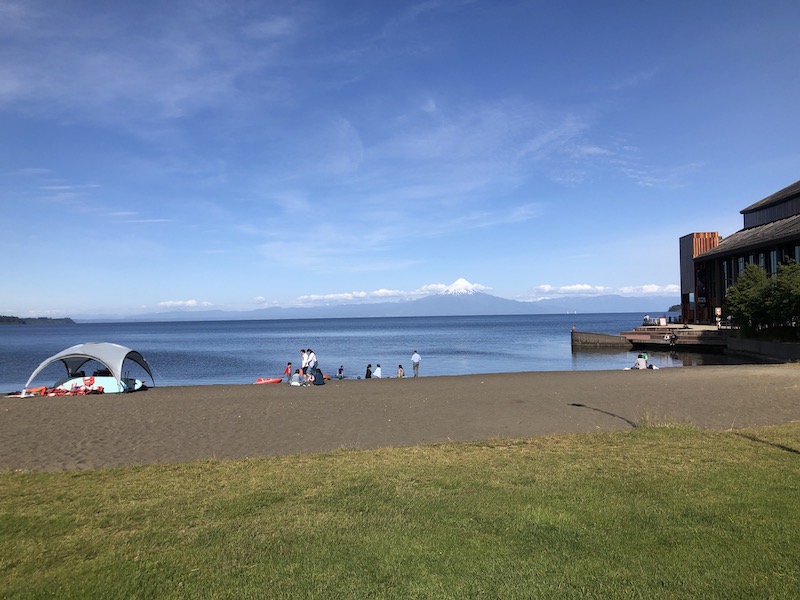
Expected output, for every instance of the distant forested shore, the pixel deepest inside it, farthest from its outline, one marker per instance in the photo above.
(5, 320)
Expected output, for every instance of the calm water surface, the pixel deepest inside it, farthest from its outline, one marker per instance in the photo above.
(213, 352)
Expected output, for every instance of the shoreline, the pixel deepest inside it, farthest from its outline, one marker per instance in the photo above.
(185, 423)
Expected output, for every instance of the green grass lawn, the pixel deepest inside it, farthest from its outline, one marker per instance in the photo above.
(656, 512)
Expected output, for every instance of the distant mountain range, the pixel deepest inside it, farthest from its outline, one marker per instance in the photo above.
(461, 298)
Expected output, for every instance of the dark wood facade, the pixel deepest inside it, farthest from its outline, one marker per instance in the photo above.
(771, 235)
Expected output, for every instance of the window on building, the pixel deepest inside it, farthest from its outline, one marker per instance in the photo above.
(725, 279)
(761, 262)
(741, 266)
(773, 262)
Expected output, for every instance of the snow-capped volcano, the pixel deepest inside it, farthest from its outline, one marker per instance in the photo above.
(462, 287)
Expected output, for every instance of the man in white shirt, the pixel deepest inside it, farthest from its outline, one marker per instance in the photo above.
(415, 358)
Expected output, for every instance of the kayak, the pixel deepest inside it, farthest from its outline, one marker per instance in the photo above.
(268, 380)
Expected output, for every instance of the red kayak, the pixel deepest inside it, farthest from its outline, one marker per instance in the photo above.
(269, 380)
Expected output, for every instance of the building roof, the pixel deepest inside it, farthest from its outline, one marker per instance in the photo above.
(768, 234)
(776, 198)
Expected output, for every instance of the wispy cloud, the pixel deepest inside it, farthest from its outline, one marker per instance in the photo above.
(185, 304)
(651, 288)
(75, 62)
(659, 177)
(63, 188)
(29, 171)
(379, 295)
(546, 291)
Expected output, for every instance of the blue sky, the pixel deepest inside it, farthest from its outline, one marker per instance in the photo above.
(238, 155)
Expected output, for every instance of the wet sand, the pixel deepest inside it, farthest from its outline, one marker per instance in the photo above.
(178, 424)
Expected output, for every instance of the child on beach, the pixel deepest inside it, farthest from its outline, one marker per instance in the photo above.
(400, 372)
(287, 372)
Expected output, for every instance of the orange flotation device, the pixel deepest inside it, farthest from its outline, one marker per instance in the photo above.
(268, 380)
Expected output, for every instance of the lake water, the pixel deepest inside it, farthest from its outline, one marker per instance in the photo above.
(213, 352)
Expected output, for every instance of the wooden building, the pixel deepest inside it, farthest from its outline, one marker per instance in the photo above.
(710, 264)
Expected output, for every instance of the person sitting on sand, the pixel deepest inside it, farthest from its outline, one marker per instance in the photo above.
(377, 374)
(319, 378)
(297, 378)
(400, 372)
(641, 362)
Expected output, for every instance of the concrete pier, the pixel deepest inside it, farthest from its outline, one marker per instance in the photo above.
(694, 337)
(585, 339)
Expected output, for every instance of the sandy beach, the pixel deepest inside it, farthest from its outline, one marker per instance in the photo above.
(178, 424)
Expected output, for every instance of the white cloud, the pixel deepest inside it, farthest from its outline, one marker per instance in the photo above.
(184, 304)
(649, 289)
(546, 291)
(573, 289)
(380, 295)
(431, 288)
(332, 297)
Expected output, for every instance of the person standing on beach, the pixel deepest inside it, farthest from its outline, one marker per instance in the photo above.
(400, 373)
(288, 371)
(415, 358)
(368, 374)
(312, 364)
(377, 374)
(303, 362)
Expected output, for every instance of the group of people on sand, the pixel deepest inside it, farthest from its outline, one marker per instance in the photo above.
(378, 373)
(310, 372)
